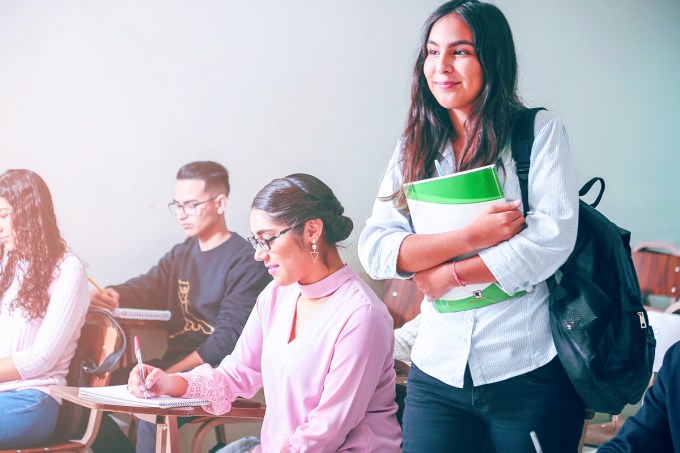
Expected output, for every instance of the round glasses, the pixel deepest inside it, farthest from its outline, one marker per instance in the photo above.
(188, 209)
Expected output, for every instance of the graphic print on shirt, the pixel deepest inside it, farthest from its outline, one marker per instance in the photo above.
(192, 323)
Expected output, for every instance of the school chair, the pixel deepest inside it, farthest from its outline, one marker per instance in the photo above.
(101, 344)
(402, 298)
(657, 265)
(208, 424)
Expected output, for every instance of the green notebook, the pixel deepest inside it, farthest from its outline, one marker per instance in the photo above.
(448, 203)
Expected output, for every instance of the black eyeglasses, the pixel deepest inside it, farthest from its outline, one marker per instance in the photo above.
(266, 244)
(188, 209)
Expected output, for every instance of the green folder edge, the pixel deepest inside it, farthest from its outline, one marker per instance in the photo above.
(473, 186)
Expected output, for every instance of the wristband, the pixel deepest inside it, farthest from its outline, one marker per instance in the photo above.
(455, 275)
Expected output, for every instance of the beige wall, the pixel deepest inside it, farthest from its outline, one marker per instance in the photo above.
(107, 99)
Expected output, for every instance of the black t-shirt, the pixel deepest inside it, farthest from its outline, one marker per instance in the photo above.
(210, 295)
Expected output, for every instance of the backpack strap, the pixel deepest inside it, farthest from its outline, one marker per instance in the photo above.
(522, 141)
(587, 186)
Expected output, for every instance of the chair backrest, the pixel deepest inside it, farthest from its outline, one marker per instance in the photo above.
(658, 271)
(402, 298)
(100, 346)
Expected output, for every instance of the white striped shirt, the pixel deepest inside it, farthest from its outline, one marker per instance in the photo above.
(508, 338)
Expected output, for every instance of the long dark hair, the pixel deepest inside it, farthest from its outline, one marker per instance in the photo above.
(428, 126)
(39, 247)
(300, 197)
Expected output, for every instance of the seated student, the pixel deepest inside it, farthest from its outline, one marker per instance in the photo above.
(405, 338)
(319, 340)
(209, 282)
(43, 303)
(656, 426)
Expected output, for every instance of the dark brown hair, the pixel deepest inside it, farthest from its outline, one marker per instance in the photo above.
(428, 126)
(216, 177)
(300, 197)
(39, 247)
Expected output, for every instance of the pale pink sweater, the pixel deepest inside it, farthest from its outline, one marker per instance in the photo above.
(331, 388)
(42, 348)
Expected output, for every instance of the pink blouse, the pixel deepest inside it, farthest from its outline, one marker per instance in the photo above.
(331, 388)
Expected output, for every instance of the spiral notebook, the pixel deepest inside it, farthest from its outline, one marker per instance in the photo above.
(142, 313)
(120, 396)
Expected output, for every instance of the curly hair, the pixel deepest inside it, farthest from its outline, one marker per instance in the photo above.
(39, 247)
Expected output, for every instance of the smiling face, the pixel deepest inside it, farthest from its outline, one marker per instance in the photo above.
(451, 68)
(287, 261)
(6, 232)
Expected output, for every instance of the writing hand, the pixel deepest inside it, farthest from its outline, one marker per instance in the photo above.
(154, 383)
(109, 300)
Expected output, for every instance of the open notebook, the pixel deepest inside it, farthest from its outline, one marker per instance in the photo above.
(120, 396)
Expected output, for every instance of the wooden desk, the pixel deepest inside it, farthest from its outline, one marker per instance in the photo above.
(167, 437)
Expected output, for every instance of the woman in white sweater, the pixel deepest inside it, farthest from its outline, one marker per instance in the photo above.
(43, 302)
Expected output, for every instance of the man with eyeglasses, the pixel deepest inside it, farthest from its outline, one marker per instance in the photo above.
(209, 283)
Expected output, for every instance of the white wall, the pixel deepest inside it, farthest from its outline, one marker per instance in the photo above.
(106, 100)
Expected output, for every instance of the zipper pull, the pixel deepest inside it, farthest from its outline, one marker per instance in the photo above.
(643, 323)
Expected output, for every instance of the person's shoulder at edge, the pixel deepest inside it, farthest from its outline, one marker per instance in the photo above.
(239, 243)
(188, 245)
(363, 295)
(235, 245)
(72, 263)
(547, 118)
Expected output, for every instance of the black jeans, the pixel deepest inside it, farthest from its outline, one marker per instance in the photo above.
(495, 417)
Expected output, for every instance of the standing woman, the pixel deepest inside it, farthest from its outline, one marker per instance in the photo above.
(319, 340)
(43, 302)
(482, 379)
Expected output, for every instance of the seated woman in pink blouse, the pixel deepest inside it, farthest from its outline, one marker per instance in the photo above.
(318, 340)
(43, 302)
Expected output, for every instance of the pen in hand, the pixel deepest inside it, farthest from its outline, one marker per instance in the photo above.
(99, 288)
(138, 353)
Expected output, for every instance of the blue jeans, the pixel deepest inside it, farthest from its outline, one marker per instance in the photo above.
(242, 445)
(494, 417)
(27, 418)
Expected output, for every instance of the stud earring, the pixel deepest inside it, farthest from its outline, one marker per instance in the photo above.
(314, 254)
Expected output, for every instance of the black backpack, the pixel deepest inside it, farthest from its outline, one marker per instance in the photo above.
(598, 321)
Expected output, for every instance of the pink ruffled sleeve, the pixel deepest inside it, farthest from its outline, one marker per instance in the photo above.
(207, 383)
(239, 374)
